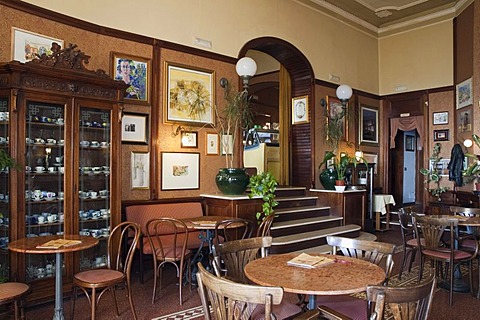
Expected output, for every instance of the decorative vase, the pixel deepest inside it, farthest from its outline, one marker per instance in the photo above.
(327, 178)
(232, 181)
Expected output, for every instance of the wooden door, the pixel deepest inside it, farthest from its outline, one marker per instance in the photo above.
(397, 168)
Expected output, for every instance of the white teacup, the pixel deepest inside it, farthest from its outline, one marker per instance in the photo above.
(2, 139)
(93, 194)
(84, 143)
(51, 141)
(61, 169)
(52, 169)
(95, 144)
(40, 169)
(41, 219)
(39, 140)
(104, 144)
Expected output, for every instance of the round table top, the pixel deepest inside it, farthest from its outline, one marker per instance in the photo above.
(462, 220)
(205, 222)
(29, 245)
(345, 276)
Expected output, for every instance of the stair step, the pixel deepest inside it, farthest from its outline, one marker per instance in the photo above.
(302, 222)
(284, 214)
(290, 191)
(296, 201)
(288, 227)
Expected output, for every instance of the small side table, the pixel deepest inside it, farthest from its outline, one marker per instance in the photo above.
(381, 206)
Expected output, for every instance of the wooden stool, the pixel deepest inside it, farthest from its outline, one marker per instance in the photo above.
(14, 292)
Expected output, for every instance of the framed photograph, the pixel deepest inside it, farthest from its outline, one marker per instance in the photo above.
(440, 135)
(464, 95)
(371, 158)
(189, 95)
(368, 125)
(440, 117)
(27, 45)
(442, 166)
(212, 144)
(180, 171)
(300, 110)
(135, 128)
(134, 71)
(189, 139)
(227, 144)
(464, 120)
(140, 170)
(409, 143)
(336, 112)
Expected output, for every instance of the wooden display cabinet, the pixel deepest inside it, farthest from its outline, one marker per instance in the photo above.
(63, 131)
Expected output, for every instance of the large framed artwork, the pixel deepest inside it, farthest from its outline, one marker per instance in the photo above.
(464, 95)
(368, 125)
(189, 95)
(336, 112)
(135, 72)
(140, 170)
(27, 45)
(180, 170)
(135, 128)
(300, 110)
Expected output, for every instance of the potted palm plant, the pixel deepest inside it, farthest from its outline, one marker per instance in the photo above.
(341, 164)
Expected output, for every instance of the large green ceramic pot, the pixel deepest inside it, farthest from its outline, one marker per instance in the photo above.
(232, 181)
(327, 178)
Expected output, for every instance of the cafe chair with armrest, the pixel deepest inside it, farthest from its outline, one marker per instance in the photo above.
(232, 300)
(433, 229)
(168, 238)
(406, 303)
(14, 292)
(232, 229)
(94, 283)
(409, 238)
(379, 253)
(230, 258)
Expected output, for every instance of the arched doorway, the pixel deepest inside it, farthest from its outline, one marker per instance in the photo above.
(301, 136)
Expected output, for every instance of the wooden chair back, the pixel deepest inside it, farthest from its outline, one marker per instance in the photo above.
(406, 303)
(371, 251)
(121, 247)
(264, 227)
(236, 254)
(168, 238)
(468, 212)
(233, 229)
(231, 300)
(432, 229)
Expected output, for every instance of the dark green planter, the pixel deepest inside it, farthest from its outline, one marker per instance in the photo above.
(327, 179)
(232, 181)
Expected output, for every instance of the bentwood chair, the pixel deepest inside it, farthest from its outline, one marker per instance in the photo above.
(14, 292)
(94, 283)
(433, 229)
(168, 238)
(234, 256)
(232, 229)
(379, 253)
(409, 238)
(405, 303)
(264, 227)
(232, 300)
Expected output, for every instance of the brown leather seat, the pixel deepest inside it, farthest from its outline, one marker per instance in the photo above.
(14, 292)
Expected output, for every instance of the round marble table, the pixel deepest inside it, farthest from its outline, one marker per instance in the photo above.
(344, 276)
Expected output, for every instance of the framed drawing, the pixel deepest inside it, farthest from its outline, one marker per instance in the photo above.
(135, 128)
(27, 45)
(180, 171)
(442, 166)
(140, 170)
(440, 117)
(336, 113)
(464, 95)
(135, 72)
(440, 135)
(368, 125)
(212, 145)
(464, 120)
(371, 158)
(300, 110)
(189, 139)
(227, 144)
(409, 143)
(189, 95)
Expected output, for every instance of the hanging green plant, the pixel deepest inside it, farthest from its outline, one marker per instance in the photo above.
(264, 185)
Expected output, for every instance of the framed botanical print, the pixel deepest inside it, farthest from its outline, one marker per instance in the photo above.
(189, 95)
(140, 170)
(336, 113)
(212, 144)
(189, 139)
(135, 72)
(368, 125)
(180, 170)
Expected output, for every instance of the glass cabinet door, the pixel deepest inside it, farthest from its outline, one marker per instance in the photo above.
(94, 183)
(44, 181)
(4, 196)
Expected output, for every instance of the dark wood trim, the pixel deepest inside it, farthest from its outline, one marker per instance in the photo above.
(327, 84)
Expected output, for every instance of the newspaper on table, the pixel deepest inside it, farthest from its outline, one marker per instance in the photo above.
(305, 260)
(58, 243)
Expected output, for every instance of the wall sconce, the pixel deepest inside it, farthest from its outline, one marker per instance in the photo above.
(344, 93)
(468, 143)
(179, 130)
(359, 155)
(246, 69)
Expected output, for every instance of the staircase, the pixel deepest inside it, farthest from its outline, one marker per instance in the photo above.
(301, 224)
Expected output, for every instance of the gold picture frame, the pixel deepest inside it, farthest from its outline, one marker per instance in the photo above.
(135, 72)
(300, 112)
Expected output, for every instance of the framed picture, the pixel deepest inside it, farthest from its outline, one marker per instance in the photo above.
(440, 135)
(336, 112)
(180, 170)
(227, 144)
(189, 95)
(300, 110)
(464, 120)
(27, 45)
(140, 170)
(371, 158)
(442, 166)
(464, 95)
(212, 145)
(409, 143)
(440, 117)
(189, 139)
(368, 125)
(135, 128)
(135, 72)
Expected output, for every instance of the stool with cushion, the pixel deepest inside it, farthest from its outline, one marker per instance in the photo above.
(14, 292)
